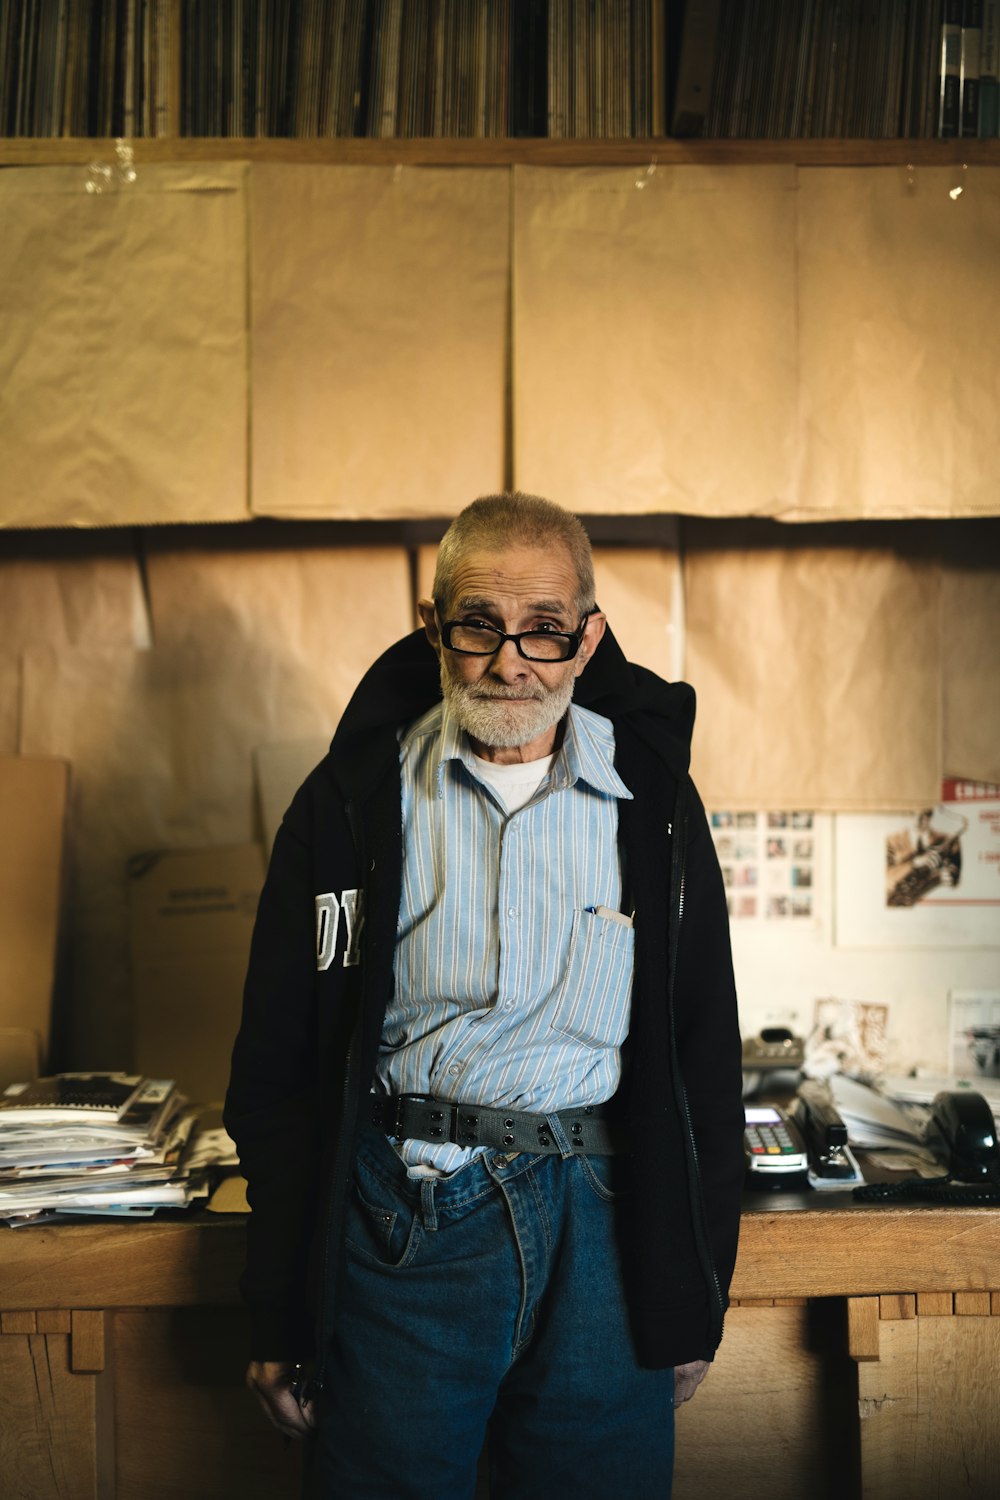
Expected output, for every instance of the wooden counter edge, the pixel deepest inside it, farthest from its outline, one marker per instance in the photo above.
(790, 1253)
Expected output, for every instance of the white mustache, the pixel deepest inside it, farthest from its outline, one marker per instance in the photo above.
(506, 695)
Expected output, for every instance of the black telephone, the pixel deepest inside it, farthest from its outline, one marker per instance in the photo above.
(962, 1131)
(774, 1047)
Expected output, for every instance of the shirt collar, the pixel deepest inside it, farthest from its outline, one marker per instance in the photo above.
(587, 752)
(588, 755)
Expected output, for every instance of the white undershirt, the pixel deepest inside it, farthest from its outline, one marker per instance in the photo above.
(515, 785)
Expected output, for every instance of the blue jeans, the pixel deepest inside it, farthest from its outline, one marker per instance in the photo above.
(492, 1296)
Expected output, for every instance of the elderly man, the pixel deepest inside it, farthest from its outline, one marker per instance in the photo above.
(487, 1088)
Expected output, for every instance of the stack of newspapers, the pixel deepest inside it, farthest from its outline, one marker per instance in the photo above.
(97, 1143)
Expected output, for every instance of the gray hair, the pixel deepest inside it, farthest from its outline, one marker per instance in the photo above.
(495, 522)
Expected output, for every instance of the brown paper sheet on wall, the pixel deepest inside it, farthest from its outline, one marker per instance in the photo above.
(426, 559)
(123, 348)
(249, 648)
(241, 587)
(108, 712)
(818, 673)
(10, 702)
(34, 795)
(638, 588)
(899, 297)
(654, 338)
(279, 770)
(380, 331)
(63, 590)
(970, 635)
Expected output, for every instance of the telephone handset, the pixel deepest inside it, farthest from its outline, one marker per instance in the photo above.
(962, 1130)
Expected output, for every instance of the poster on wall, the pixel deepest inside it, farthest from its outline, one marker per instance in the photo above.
(929, 879)
(772, 864)
(975, 1034)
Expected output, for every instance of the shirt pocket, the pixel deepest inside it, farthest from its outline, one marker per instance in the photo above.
(591, 1003)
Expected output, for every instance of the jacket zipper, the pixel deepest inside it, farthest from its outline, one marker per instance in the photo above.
(679, 859)
(339, 1178)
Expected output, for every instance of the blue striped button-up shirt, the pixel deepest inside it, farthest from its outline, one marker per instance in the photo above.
(510, 990)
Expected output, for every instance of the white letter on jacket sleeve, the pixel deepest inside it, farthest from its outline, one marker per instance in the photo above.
(327, 924)
(353, 905)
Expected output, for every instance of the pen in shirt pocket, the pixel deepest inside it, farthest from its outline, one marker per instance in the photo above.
(610, 913)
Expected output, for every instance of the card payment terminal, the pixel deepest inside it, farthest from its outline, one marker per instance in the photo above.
(774, 1149)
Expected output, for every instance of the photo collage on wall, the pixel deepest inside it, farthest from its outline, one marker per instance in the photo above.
(769, 864)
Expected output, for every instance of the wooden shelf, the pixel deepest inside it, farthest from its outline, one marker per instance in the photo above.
(501, 153)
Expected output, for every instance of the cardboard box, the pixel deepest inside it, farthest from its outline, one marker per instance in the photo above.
(191, 914)
(34, 796)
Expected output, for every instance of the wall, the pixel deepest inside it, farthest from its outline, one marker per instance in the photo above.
(211, 344)
(169, 665)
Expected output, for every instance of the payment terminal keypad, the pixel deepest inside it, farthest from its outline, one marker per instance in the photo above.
(770, 1140)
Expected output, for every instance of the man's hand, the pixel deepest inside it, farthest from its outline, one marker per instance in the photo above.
(687, 1379)
(271, 1381)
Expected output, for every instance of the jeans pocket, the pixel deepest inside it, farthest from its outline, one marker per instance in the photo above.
(385, 1233)
(605, 1176)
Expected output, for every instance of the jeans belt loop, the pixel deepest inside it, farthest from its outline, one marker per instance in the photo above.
(428, 1204)
(559, 1136)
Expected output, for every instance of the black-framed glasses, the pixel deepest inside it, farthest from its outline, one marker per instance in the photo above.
(477, 639)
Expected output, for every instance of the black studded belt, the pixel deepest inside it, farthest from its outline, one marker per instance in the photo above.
(422, 1118)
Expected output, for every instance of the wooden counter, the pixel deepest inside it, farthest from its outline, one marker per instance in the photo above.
(861, 1357)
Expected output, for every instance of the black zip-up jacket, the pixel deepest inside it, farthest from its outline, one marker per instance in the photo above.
(306, 1051)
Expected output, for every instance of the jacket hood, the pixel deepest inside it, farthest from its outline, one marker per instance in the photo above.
(404, 683)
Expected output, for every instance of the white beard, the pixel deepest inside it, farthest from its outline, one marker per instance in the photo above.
(480, 711)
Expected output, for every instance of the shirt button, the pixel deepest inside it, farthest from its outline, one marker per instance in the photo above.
(508, 1005)
(512, 911)
(455, 1069)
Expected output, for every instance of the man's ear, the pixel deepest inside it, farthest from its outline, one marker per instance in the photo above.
(592, 632)
(428, 615)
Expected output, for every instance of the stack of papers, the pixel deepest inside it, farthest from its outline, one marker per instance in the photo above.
(97, 1143)
(873, 1121)
(891, 1134)
(922, 1088)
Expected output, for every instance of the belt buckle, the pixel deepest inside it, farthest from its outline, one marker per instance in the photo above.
(385, 1114)
(395, 1114)
(396, 1121)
